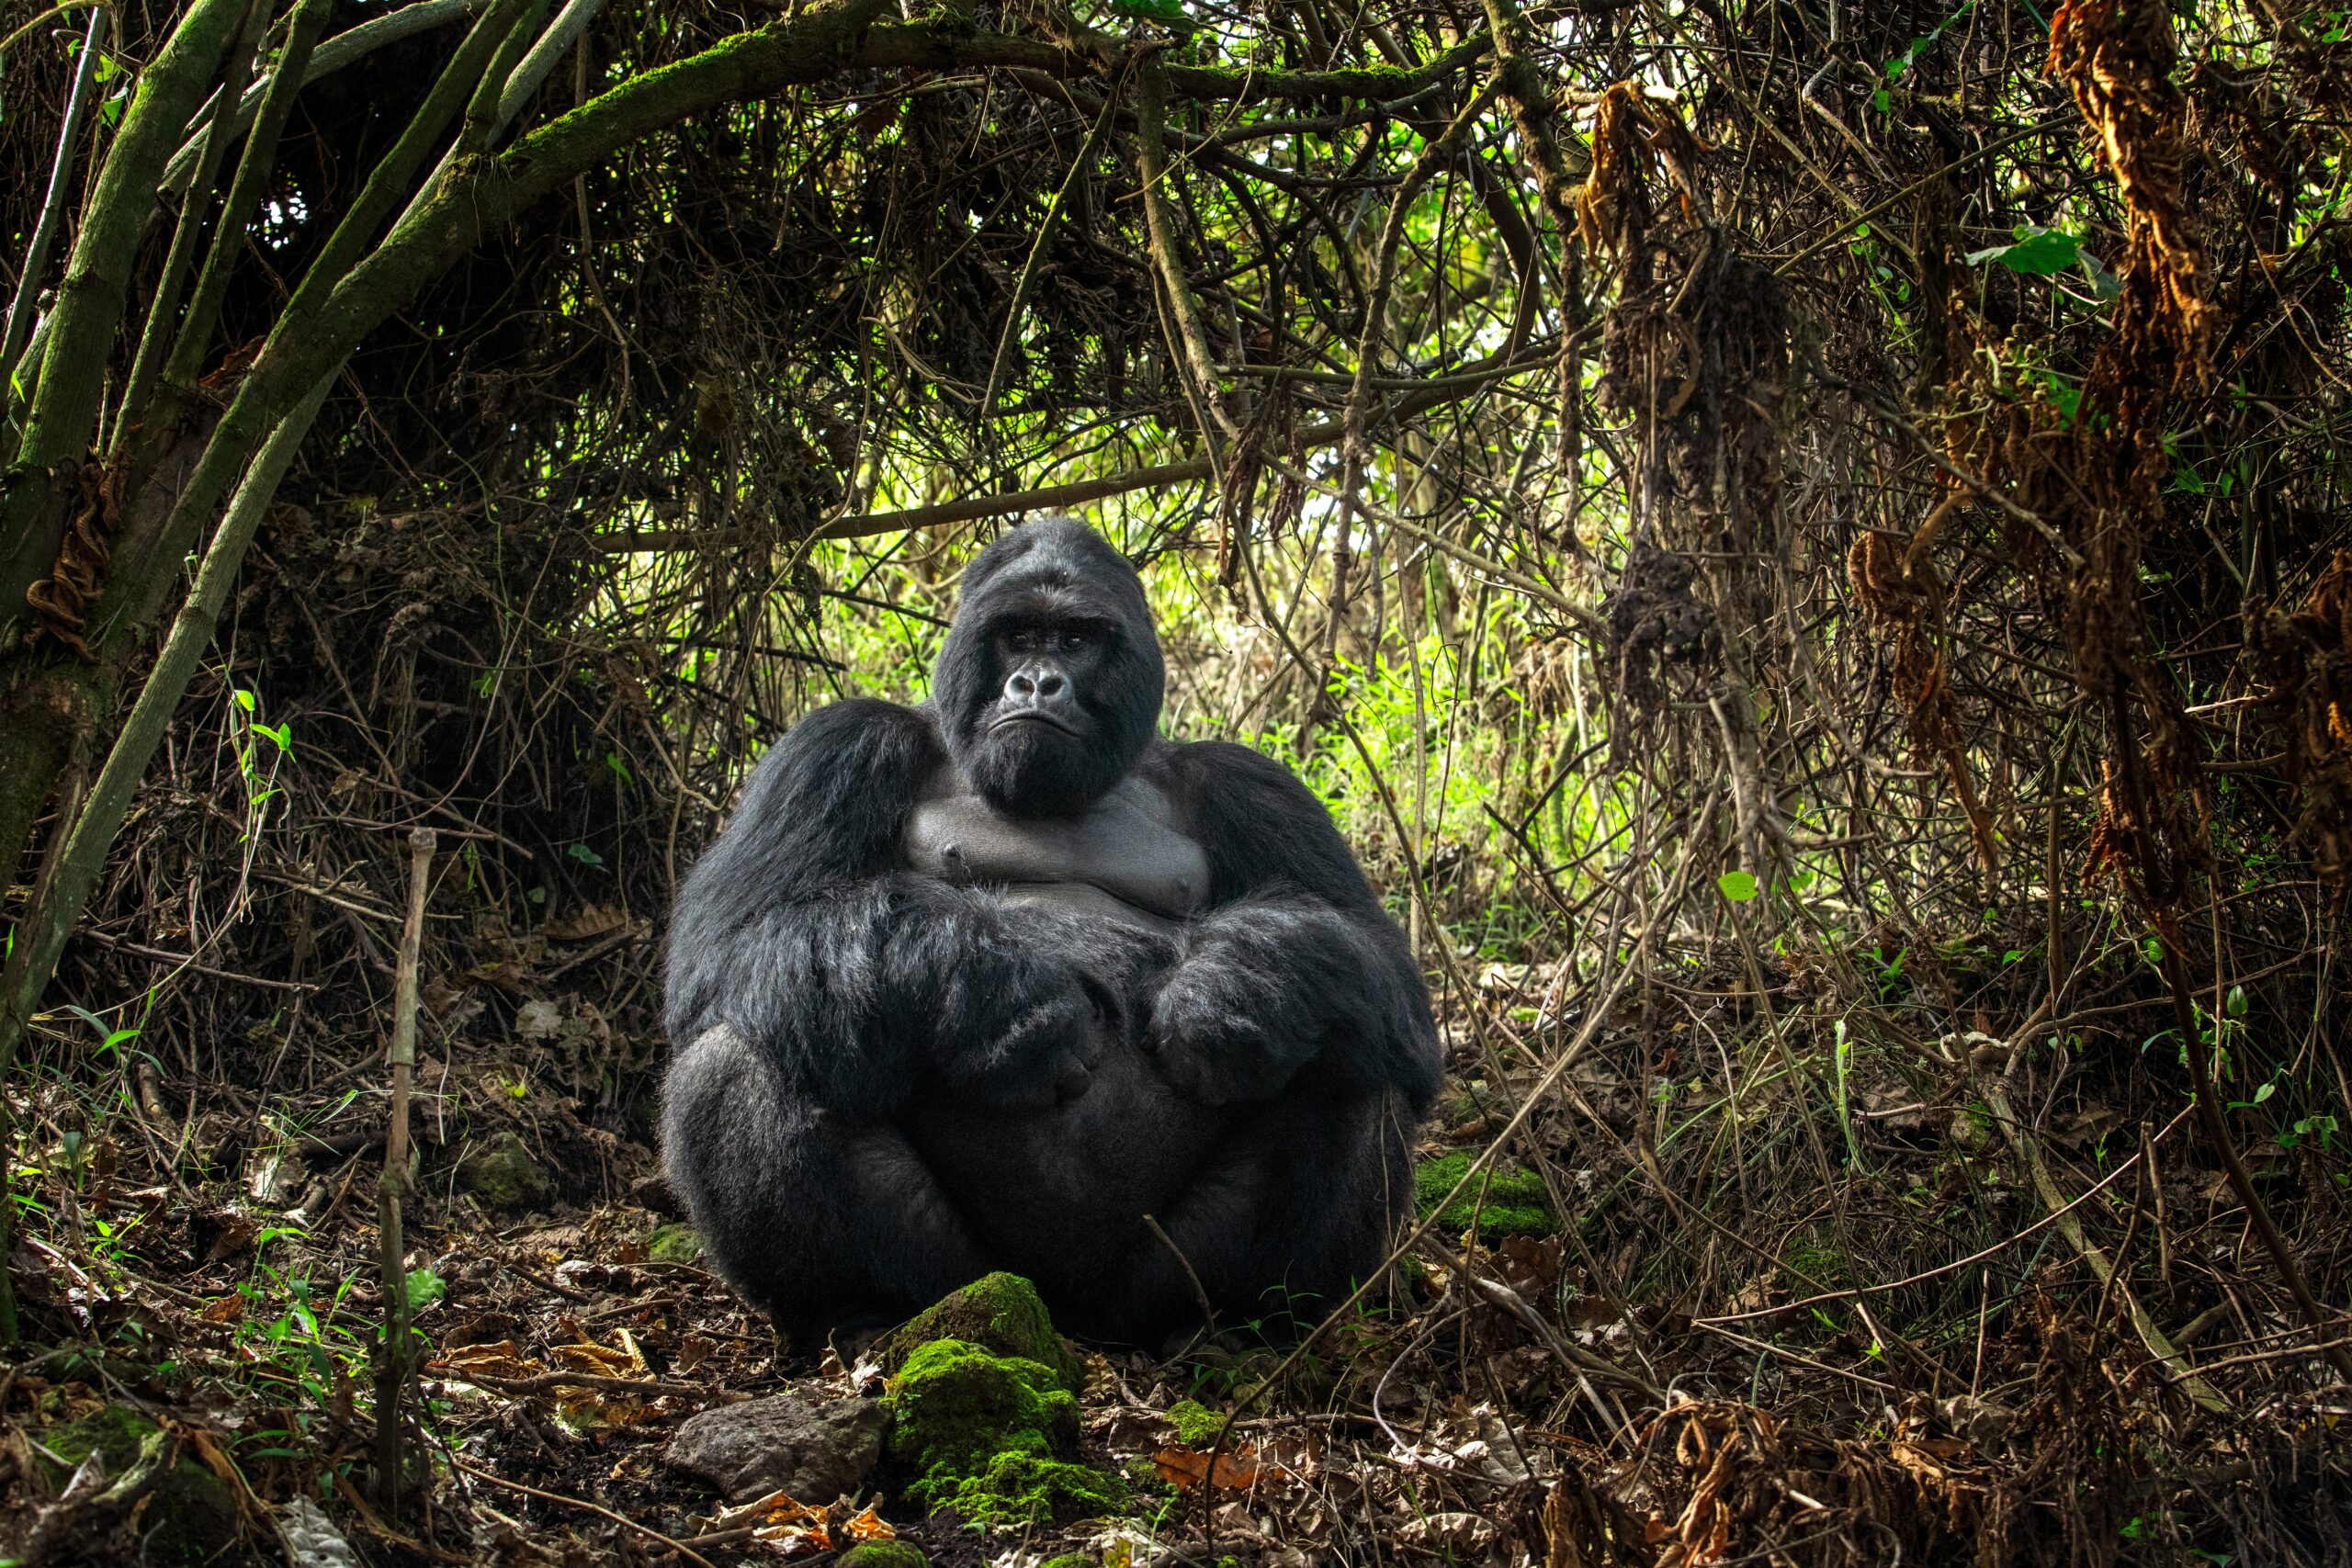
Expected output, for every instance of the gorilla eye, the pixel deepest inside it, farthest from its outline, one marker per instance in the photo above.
(1074, 638)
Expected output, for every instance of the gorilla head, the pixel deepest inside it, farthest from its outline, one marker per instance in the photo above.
(1048, 688)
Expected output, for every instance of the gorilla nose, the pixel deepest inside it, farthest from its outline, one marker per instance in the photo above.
(1037, 684)
(1040, 689)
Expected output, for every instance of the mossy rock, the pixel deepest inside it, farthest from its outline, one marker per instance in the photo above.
(1196, 1425)
(1019, 1490)
(504, 1174)
(884, 1554)
(1000, 1312)
(986, 1434)
(1516, 1202)
(673, 1244)
(954, 1406)
(190, 1515)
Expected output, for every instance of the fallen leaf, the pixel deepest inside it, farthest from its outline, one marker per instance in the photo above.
(1186, 1467)
(594, 920)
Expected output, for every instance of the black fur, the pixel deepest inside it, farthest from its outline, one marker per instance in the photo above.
(872, 1099)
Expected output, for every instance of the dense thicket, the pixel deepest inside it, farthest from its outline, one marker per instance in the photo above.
(1805, 544)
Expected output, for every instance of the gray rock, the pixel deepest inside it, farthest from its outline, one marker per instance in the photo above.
(311, 1539)
(503, 1174)
(786, 1443)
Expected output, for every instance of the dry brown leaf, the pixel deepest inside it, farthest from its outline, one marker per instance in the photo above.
(592, 921)
(1186, 1467)
(779, 1519)
(498, 1358)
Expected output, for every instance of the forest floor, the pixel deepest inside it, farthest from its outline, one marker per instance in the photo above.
(1548, 1392)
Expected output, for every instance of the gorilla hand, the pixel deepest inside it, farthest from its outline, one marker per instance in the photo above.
(1233, 1024)
(1032, 1036)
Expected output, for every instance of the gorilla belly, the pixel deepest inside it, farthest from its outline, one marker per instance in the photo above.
(1059, 1193)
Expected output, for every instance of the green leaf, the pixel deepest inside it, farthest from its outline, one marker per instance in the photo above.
(584, 855)
(245, 699)
(1739, 886)
(2038, 252)
(2234, 1004)
(2105, 283)
(425, 1288)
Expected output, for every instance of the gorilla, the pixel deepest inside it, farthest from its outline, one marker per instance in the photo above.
(1006, 981)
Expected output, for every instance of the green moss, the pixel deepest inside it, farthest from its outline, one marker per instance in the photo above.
(1025, 1489)
(1071, 1559)
(673, 1244)
(504, 1174)
(1000, 1312)
(1196, 1425)
(955, 1407)
(1516, 1202)
(1816, 1263)
(884, 1554)
(984, 1432)
(190, 1515)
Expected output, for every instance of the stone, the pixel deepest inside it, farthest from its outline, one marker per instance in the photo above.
(504, 1174)
(188, 1517)
(986, 1433)
(1001, 1312)
(812, 1452)
(311, 1539)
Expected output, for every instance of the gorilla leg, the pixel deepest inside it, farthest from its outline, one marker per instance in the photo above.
(1294, 1210)
(818, 1218)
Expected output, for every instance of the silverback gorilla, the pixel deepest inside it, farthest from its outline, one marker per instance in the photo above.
(986, 983)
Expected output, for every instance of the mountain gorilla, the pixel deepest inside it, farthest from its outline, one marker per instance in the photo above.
(987, 983)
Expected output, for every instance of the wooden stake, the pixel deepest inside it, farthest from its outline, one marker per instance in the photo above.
(394, 1353)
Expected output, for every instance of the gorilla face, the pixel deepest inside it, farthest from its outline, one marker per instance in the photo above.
(1049, 686)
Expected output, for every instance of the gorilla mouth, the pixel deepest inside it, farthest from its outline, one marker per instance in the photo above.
(1031, 715)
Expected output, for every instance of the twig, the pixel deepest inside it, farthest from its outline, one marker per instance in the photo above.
(188, 962)
(1023, 285)
(603, 1383)
(1978, 1256)
(2217, 1132)
(1197, 365)
(61, 184)
(392, 1361)
(1200, 1296)
(2161, 1348)
(647, 1530)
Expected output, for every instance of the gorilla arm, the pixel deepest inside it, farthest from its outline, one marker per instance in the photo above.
(1295, 971)
(858, 980)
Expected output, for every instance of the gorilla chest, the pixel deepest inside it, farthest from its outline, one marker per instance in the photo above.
(1127, 857)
